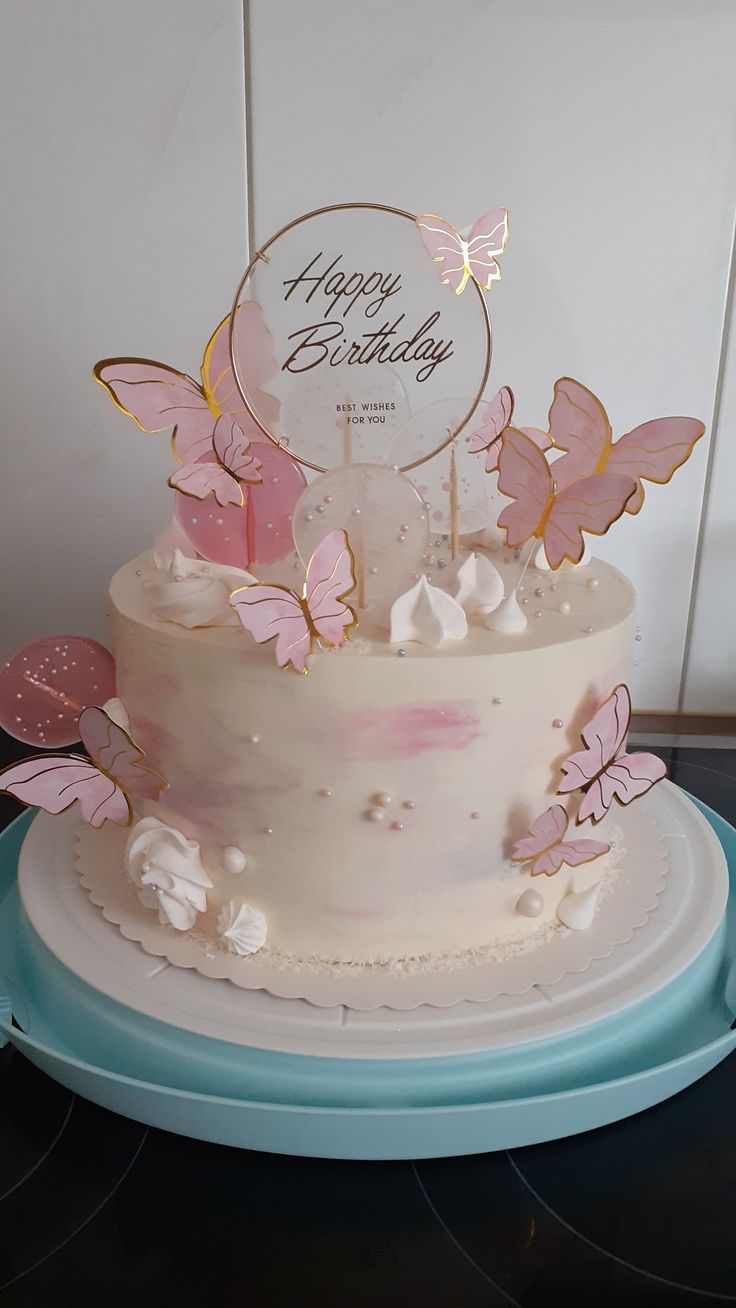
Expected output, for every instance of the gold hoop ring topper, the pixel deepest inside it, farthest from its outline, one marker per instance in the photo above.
(261, 255)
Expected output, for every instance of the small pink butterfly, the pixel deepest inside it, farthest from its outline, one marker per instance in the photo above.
(556, 519)
(603, 771)
(495, 422)
(100, 783)
(460, 259)
(579, 425)
(221, 478)
(546, 846)
(318, 615)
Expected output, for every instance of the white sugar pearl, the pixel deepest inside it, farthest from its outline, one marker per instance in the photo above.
(375, 815)
(234, 860)
(530, 904)
(381, 798)
(565, 606)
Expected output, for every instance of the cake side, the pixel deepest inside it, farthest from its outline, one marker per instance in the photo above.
(376, 801)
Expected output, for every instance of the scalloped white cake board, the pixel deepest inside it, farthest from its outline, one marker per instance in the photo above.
(685, 913)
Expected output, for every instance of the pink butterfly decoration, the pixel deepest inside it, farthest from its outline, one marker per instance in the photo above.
(297, 622)
(603, 770)
(558, 520)
(234, 464)
(579, 425)
(460, 259)
(45, 686)
(495, 422)
(100, 783)
(546, 848)
(157, 397)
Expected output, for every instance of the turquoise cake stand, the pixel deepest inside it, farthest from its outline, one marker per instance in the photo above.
(367, 1108)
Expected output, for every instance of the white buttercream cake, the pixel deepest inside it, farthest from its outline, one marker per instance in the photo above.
(368, 810)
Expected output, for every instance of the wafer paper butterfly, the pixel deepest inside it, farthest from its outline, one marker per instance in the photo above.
(603, 770)
(460, 259)
(495, 421)
(298, 622)
(210, 421)
(234, 464)
(557, 519)
(546, 848)
(579, 425)
(101, 783)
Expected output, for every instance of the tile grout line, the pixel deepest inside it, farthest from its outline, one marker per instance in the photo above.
(728, 315)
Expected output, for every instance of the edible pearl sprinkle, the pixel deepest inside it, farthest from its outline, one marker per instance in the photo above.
(588, 630)
(355, 512)
(538, 613)
(234, 860)
(475, 814)
(530, 904)
(565, 606)
(557, 722)
(409, 803)
(539, 592)
(593, 583)
(400, 654)
(382, 798)
(375, 815)
(254, 739)
(325, 793)
(138, 572)
(268, 831)
(397, 826)
(497, 699)
(319, 508)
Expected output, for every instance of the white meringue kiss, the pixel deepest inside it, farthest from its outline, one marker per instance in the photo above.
(479, 585)
(508, 619)
(242, 927)
(195, 593)
(427, 615)
(167, 871)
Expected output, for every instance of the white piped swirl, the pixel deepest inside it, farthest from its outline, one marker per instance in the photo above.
(167, 871)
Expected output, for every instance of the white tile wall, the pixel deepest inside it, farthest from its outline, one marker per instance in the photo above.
(122, 158)
(607, 130)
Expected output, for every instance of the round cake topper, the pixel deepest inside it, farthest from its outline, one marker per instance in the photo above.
(368, 327)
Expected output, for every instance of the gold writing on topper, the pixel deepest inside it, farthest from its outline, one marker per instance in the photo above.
(335, 293)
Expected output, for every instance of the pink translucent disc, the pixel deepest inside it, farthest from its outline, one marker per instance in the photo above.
(257, 533)
(44, 687)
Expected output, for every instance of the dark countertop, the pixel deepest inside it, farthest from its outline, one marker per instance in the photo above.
(98, 1210)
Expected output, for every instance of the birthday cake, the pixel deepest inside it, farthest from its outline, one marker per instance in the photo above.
(367, 703)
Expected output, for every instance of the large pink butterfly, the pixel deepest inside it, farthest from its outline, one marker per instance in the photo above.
(460, 259)
(100, 783)
(496, 419)
(546, 848)
(222, 476)
(603, 770)
(319, 614)
(556, 519)
(579, 425)
(157, 397)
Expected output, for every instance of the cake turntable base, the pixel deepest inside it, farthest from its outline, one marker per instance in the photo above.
(202, 1058)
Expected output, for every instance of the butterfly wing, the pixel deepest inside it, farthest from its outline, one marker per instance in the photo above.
(487, 238)
(156, 398)
(628, 777)
(570, 852)
(207, 478)
(257, 362)
(546, 830)
(330, 577)
(578, 424)
(591, 505)
(495, 421)
(54, 783)
(524, 476)
(653, 452)
(604, 737)
(275, 611)
(447, 248)
(116, 755)
(232, 447)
